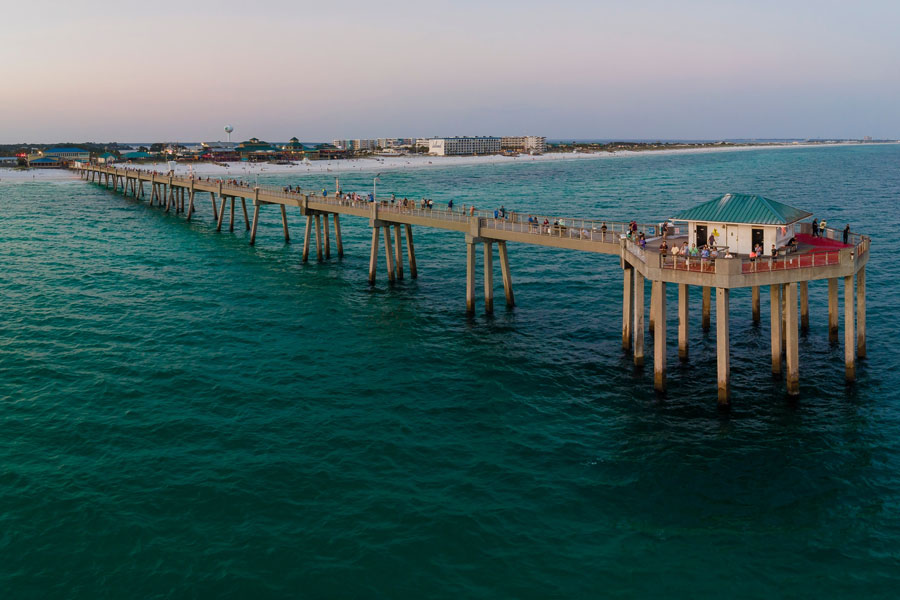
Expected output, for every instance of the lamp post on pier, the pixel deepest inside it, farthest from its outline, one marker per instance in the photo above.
(374, 187)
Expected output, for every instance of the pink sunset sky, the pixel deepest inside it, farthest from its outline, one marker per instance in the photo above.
(139, 71)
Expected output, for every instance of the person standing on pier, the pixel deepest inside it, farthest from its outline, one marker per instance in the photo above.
(815, 228)
(847, 234)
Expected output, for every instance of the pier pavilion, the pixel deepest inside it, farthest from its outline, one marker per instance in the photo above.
(739, 222)
(786, 277)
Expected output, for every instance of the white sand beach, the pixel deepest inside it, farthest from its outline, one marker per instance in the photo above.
(380, 164)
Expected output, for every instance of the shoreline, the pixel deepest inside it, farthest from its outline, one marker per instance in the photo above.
(379, 164)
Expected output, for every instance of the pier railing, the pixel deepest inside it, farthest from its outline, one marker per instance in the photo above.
(544, 225)
(762, 264)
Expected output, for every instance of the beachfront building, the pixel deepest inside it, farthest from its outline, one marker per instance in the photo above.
(741, 221)
(57, 157)
(255, 149)
(356, 145)
(528, 144)
(66, 154)
(220, 151)
(294, 148)
(106, 158)
(456, 146)
(364, 145)
(137, 155)
(37, 161)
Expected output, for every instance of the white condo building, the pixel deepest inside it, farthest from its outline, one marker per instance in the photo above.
(454, 146)
(531, 144)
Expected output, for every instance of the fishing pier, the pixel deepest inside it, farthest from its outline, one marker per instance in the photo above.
(786, 277)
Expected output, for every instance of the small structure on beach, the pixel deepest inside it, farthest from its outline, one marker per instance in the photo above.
(741, 221)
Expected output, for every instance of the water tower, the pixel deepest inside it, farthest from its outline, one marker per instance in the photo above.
(228, 130)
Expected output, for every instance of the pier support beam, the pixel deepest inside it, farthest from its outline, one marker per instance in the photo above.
(506, 274)
(190, 208)
(723, 349)
(683, 306)
(398, 250)
(411, 253)
(792, 358)
(337, 235)
(284, 225)
(327, 236)
(470, 277)
(861, 313)
(775, 302)
(246, 218)
(488, 278)
(707, 300)
(804, 306)
(306, 236)
(319, 237)
(754, 301)
(212, 199)
(627, 303)
(373, 255)
(832, 310)
(849, 335)
(389, 253)
(231, 215)
(659, 338)
(638, 311)
(221, 216)
(255, 222)
(654, 298)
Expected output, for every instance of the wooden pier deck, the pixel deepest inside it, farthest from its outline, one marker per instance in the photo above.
(786, 277)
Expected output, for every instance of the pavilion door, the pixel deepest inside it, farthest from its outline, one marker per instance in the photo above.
(757, 238)
(700, 237)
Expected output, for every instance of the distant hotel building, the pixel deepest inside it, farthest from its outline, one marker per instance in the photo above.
(356, 145)
(455, 146)
(529, 144)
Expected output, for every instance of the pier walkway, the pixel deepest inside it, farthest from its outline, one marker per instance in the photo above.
(787, 277)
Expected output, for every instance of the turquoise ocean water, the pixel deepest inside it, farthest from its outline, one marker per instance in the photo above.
(186, 416)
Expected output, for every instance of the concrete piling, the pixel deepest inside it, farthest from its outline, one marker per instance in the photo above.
(849, 336)
(659, 338)
(638, 325)
(627, 302)
(706, 302)
(488, 278)
(683, 309)
(792, 376)
(776, 320)
(723, 349)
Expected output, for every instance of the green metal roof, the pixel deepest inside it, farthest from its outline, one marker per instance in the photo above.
(744, 208)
